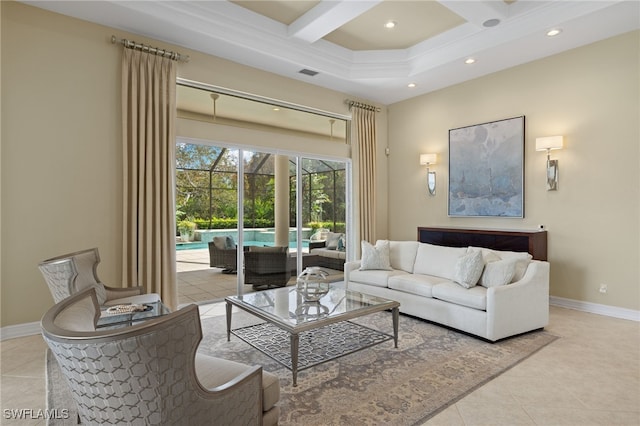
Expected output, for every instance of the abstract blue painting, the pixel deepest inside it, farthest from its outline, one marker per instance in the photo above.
(486, 169)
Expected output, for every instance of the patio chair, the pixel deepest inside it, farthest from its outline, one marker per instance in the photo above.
(266, 267)
(223, 254)
(150, 373)
(70, 273)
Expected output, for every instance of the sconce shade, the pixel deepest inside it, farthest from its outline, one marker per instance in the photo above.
(548, 143)
(428, 159)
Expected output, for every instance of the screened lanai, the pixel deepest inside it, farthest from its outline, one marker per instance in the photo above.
(207, 184)
(275, 211)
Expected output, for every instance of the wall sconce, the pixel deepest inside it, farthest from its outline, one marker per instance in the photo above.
(428, 160)
(547, 144)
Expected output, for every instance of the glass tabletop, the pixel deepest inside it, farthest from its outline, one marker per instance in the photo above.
(287, 307)
(152, 310)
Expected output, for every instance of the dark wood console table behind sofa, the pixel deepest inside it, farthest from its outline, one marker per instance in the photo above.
(534, 242)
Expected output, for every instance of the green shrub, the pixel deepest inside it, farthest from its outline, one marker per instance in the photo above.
(339, 226)
(186, 227)
(232, 223)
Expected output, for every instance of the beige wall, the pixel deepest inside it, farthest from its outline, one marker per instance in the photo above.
(589, 95)
(61, 143)
(61, 154)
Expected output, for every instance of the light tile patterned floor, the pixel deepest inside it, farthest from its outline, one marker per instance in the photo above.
(589, 376)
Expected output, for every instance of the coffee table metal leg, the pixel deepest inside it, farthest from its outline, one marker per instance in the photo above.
(228, 321)
(396, 318)
(295, 340)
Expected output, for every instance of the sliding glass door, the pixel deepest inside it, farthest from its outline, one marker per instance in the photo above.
(258, 209)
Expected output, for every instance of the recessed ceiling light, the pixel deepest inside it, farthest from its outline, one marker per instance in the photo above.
(411, 85)
(276, 109)
(469, 61)
(491, 23)
(390, 24)
(553, 32)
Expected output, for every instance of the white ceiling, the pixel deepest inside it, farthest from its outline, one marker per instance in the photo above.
(346, 43)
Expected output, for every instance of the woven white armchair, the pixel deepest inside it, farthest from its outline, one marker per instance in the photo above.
(70, 273)
(150, 373)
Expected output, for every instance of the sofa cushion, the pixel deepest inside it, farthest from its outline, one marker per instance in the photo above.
(498, 273)
(402, 255)
(468, 269)
(334, 254)
(333, 239)
(371, 277)
(213, 372)
(437, 260)
(522, 259)
(375, 258)
(268, 249)
(417, 284)
(224, 242)
(319, 235)
(475, 297)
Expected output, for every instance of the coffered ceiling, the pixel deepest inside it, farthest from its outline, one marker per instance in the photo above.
(346, 46)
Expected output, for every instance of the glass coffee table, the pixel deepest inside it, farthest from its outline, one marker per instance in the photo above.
(301, 334)
(116, 320)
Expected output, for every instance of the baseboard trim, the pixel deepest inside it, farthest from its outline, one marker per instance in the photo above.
(20, 330)
(31, 328)
(595, 308)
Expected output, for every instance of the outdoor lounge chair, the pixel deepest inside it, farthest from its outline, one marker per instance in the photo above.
(223, 254)
(266, 267)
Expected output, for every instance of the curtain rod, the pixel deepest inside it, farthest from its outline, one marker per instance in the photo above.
(130, 44)
(361, 105)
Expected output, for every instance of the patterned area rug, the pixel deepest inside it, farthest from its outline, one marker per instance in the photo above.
(432, 368)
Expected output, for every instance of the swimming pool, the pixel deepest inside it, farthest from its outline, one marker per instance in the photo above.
(203, 245)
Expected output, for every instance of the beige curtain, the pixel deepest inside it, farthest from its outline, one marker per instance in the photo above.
(148, 110)
(364, 122)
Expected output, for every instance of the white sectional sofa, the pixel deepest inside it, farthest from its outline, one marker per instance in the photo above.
(330, 248)
(510, 294)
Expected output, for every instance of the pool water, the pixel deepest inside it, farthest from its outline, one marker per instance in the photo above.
(200, 245)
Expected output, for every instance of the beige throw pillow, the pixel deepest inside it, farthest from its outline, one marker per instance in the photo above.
(333, 240)
(522, 259)
(498, 273)
(468, 269)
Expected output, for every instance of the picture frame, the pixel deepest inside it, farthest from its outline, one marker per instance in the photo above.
(486, 169)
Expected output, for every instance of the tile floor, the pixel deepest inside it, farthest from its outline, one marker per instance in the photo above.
(589, 376)
(198, 283)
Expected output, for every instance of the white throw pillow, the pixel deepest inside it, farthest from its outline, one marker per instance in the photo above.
(220, 242)
(439, 261)
(402, 255)
(522, 259)
(468, 269)
(498, 273)
(375, 258)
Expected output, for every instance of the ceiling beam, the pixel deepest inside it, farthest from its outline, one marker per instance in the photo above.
(477, 12)
(326, 17)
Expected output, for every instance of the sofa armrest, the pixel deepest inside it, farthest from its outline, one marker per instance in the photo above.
(316, 244)
(348, 267)
(520, 306)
